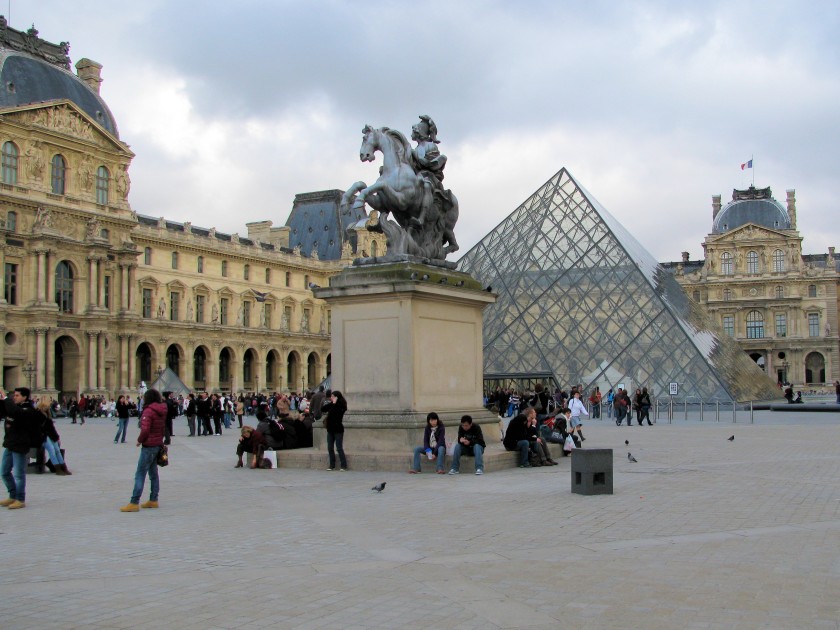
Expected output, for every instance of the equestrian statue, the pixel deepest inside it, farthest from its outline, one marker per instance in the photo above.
(410, 190)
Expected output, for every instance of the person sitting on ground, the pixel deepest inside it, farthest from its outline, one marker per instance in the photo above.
(537, 444)
(251, 440)
(52, 441)
(798, 398)
(516, 436)
(434, 445)
(470, 442)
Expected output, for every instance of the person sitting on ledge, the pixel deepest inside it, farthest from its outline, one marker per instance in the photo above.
(516, 436)
(433, 444)
(798, 398)
(470, 442)
(250, 441)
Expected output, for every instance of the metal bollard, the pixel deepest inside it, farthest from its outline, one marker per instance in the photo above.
(670, 410)
(717, 410)
(734, 419)
(752, 421)
(685, 409)
(701, 411)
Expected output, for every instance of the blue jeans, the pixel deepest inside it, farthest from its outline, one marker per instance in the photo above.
(121, 428)
(13, 470)
(421, 450)
(227, 420)
(477, 450)
(336, 441)
(523, 446)
(53, 452)
(147, 464)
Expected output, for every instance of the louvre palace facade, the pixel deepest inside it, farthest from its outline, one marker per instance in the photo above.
(97, 298)
(780, 305)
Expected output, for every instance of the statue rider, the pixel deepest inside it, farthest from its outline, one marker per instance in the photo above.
(426, 156)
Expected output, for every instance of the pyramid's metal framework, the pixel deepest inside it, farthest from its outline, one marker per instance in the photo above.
(580, 298)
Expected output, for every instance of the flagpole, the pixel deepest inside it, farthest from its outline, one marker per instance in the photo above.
(753, 170)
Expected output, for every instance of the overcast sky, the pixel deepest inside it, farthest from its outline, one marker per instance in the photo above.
(234, 107)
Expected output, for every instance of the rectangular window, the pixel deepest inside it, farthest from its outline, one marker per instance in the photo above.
(224, 269)
(147, 256)
(329, 322)
(106, 284)
(175, 306)
(288, 278)
(147, 303)
(267, 315)
(224, 306)
(813, 324)
(200, 302)
(246, 272)
(729, 325)
(10, 283)
(781, 325)
(174, 260)
(246, 314)
(267, 275)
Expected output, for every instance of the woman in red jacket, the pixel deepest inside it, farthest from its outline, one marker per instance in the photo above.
(152, 429)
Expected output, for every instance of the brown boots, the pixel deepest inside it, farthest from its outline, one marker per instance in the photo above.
(61, 470)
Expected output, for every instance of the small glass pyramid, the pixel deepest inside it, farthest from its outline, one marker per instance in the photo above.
(580, 298)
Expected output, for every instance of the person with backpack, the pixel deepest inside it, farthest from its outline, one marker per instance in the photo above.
(22, 423)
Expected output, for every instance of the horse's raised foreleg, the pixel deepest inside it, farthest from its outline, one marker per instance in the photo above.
(347, 200)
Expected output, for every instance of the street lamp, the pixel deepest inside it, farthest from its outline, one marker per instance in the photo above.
(29, 370)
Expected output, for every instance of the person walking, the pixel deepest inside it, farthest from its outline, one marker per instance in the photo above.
(21, 423)
(578, 409)
(150, 441)
(335, 410)
(644, 407)
(122, 420)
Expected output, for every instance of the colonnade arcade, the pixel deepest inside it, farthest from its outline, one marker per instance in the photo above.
(70, 362)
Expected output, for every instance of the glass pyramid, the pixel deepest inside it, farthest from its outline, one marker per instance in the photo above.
(581, 299)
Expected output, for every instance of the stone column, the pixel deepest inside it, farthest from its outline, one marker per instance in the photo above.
(3, 293)
(211, 370)
(130, 360)
(100, 360)
(38, 381)
(123, 370)
(100, 271)
(91, 357)
(123, 288)
(91, 283)
(261, 375)
(50, 358)
(189, 369)
(131, 281)
(49, 276)
(42, 286)
(2, 352)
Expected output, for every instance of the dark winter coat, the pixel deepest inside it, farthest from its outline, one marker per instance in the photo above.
(152, 425)
(335, 416)
(22, 424)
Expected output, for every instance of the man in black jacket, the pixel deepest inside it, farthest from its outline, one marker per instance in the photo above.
(22, 422)
(203, 409)
(470, 442)
(516, 436)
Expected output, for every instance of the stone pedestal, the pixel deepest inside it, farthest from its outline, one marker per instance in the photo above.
(406, 340)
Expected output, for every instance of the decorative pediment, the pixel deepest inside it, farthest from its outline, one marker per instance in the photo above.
(201, 288)
(66, 118)
(176, 285)
(748, 232)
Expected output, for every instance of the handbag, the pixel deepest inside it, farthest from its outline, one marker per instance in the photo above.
(163, 456)
(556, 437)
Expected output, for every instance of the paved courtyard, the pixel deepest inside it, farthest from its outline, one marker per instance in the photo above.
(700, 533)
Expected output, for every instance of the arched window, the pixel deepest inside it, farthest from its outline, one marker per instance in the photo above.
(780, 291)
(752, 262)
(812, 290)
(64, 287)
(174, 260)
(374, 249)
(11, 221)
(199, 366)
(778, 261)
(755, 325)
(103, 179)
(200, 264)
(726, 264)
(9, 162)
(57, 174)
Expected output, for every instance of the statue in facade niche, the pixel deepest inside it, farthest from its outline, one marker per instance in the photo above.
(189, 310)
(410, 190)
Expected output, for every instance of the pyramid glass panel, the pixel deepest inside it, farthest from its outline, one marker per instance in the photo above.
(581, 299)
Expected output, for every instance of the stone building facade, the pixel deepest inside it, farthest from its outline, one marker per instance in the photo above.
(779, 304)
(97, 298)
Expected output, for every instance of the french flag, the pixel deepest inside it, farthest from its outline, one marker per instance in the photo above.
(747, 164)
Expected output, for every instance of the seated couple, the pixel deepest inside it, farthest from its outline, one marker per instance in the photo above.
(522, 435)
(470, 442)
(269, 434)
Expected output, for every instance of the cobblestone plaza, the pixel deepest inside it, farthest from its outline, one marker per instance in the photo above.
(700, 533)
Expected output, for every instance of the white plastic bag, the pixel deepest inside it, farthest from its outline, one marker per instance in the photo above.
(569, 444)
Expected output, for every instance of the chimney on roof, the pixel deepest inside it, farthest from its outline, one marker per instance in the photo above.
(715, 206)
(90, 72)
(791, 207)
(685, 257)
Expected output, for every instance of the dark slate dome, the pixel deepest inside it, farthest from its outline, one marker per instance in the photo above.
(754, 205)
(43, 75)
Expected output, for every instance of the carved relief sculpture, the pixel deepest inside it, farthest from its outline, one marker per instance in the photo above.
(35, 162)
(86, 174)
(123, 182)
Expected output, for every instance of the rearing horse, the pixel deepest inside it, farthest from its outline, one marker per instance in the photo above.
(399, 189)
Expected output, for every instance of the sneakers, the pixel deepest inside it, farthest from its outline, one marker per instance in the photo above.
(524, 465)
(342, 470)
(441, 472)
(149, 504)
(16, 505)
(331, 469)
(411, 471)
(479, 471)
(6, 502)
(130, 507)
(452, 471)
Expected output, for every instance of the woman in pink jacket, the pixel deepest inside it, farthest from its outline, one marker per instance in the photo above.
(152, 429)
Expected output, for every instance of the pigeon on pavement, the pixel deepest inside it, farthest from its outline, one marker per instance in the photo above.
(380, 487)
(631, 458)
(731, 438)
(627, 442)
